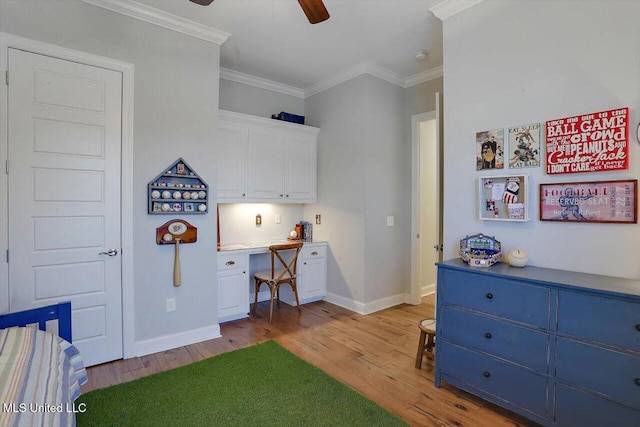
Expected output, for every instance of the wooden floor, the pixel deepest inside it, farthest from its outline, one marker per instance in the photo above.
(374, 354)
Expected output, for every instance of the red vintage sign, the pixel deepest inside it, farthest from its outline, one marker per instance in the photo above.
(597, 142)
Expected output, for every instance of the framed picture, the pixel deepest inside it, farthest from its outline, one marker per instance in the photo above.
(504, 198)
(524, 146)
(490, 149)
(596, 142)
(594, 201)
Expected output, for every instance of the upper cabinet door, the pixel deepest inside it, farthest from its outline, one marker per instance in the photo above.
(300, 167)
(233, 140)
(265, 166)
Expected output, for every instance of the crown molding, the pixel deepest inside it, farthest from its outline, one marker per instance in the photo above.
(448, 8)
(261, 83)
(430, 74)
(162, 19)
(352, 72)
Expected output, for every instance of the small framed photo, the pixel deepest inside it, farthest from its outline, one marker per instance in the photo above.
(594, 201)
(490, 149)
(180, 169)
(188, 207)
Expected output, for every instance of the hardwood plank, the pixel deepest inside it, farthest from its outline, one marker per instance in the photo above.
(373, 354)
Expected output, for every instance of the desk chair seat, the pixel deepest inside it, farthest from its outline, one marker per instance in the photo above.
(427, 340)
(282, 271)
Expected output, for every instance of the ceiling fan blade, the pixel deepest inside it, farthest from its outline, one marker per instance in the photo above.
(202, 2)
(315, 10)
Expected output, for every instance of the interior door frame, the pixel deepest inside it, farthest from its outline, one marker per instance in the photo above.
(10, 41)
(415, 295)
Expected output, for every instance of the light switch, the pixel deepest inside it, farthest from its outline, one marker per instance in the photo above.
(390, 221)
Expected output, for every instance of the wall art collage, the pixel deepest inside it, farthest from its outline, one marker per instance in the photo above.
(586, 143)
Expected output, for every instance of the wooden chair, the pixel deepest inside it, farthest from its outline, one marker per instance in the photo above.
(281, 272)
(427, 340)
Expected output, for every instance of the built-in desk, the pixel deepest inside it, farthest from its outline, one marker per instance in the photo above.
(237, 263)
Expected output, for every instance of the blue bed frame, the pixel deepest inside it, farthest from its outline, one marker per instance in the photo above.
(60, 312)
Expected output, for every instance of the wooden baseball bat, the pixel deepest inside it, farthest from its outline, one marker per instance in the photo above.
(176, 265)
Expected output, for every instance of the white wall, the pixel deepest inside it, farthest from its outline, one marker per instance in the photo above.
(519, 62)
(238, 221)
(176, 100)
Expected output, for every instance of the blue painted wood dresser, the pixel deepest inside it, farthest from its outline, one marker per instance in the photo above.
(560, 348)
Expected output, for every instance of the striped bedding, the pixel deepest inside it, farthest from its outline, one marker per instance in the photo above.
(40, 378)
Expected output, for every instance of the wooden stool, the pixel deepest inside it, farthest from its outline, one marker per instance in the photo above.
(427, 340)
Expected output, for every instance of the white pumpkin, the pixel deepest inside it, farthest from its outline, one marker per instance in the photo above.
(517, 258)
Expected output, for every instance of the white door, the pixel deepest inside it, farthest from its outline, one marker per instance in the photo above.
(265, 170)
(300, 168)
(233, 139)
(64, 195)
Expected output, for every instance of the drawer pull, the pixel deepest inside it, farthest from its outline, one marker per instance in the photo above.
(316, 253)
(638, 327)
(637, 381)
(229, 263)
(486, 374)
(489, 295)
(488, 335)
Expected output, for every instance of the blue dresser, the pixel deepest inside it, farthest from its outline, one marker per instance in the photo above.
(558, 347)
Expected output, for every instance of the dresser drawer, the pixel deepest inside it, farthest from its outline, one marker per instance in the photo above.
(508, 382)
(232, 261)
(500, 297)
(503, 339)
(606, 371)
(311, 252)
(578, 408)
(607, 320)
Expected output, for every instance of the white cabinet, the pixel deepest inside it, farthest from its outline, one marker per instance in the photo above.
(233, 291)
(312, 281)
(265, 169)
(311, 275)
(265, 160)
(233, 140)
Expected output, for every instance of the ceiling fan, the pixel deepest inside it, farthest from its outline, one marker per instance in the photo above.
(314, 9)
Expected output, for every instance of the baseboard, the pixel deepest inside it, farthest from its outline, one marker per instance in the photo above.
(167, 342)
(365, 308)
(428, 289)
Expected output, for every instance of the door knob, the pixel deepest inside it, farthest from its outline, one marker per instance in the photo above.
(110, 252)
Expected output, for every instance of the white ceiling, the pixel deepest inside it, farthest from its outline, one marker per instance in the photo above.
(273, 40)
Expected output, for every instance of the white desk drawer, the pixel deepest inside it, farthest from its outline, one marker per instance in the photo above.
(228, 262)
(314, 252)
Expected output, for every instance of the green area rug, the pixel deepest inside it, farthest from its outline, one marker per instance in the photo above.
(262, 385)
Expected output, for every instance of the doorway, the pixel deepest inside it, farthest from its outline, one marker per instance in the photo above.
(426, 249)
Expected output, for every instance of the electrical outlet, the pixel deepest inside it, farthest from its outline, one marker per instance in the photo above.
(318, 219)
(258, 219)
(278, 219)
(390, 221)
(171, 305)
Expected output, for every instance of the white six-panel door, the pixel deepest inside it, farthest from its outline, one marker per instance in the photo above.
(64, 148)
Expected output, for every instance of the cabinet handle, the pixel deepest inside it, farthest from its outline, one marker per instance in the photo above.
(244, 194)
(488, 335)
(637, 381)
(305, 263)
(316, 253)
(287, 195)
(486, 374)
(489, 295)
(281, 195)
(638, 327)
(229, 263)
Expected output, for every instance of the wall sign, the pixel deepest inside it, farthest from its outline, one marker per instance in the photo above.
(596, 142)
(597, 201)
